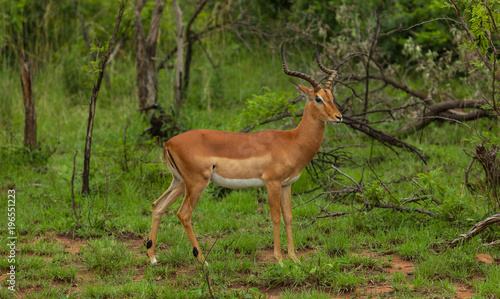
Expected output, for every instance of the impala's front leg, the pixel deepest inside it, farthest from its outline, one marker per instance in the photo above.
(273, 194)
(286, 208)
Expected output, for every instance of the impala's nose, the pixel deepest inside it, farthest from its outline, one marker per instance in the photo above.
(337, 120)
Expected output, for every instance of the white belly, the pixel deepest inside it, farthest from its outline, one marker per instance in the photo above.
(236, 183)
(245, 183)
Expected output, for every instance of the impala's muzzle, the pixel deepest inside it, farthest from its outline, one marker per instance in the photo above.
(338, 120)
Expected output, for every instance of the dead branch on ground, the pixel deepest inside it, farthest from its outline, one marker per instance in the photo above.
(476, 229)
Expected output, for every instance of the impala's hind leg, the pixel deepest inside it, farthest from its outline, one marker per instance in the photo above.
(173, 193)
(193, 194)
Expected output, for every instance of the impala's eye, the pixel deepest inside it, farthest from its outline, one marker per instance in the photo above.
(319, 100)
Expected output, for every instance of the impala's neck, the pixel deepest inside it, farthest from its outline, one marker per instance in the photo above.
(309, 133)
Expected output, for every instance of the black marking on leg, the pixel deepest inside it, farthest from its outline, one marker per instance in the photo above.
(195, 252)
(149, 244)
(213, 167)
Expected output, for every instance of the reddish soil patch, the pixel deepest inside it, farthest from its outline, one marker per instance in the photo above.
(378, 289)
(400, 265)
(71, 244)
(464, 291)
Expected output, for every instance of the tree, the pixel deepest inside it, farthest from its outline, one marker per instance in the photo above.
(93, 101)
(29, 102)
(145, 49)
(179, 64)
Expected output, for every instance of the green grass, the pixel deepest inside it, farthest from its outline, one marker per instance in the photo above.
(106, 256)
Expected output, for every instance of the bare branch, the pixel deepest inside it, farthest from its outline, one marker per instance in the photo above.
(476, 229)
(72, 187)
(406, 209)
(395, 84)
(84, 28)
(370, 54)
(381, 136)
(107, 188)
(360, 190)
(442, 111)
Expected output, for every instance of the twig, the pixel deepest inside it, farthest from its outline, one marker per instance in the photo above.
(406, 209)
(381, 136)
(419, 24)
(206, 271)
(84, 28)
(392, 109)
(408, 200)
(72, 187)
(125, 147)
(469, 186)
(306, 192)
(426, 193)
(208, 56)
(370, 54)
(356, 183)
(337, 214)
(107, 188)
(494, 243)
(308, 201)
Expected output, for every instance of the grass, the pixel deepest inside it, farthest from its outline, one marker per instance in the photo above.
(351, 254)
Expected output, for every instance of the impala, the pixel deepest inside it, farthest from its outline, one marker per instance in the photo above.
(269, 158)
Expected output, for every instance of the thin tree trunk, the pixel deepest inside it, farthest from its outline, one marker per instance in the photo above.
(187, 63)
(180, 53)
(84, 29)
(190, 40)
(93, 100)
(29, 102)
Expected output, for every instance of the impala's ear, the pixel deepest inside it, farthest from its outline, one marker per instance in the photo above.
(303, 90)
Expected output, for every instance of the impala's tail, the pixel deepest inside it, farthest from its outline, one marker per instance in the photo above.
(171, 164)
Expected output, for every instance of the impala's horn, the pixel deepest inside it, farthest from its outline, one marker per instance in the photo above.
(332, 73)
(309, 79)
